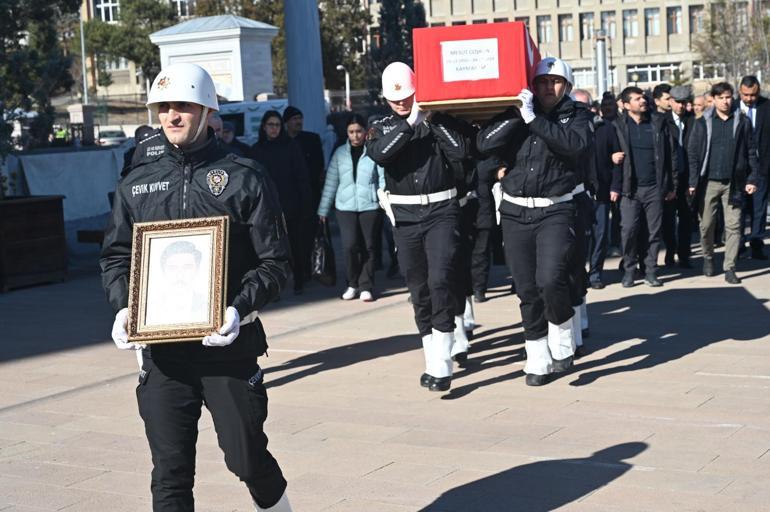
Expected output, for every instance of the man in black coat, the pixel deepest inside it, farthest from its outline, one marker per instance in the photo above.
(756, 109)
(677, 217)
(647, 179)
(312, 150)
(722, 154)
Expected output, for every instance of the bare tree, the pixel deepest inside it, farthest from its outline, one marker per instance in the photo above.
(736, 37)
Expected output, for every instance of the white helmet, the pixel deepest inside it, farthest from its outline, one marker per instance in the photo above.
(183, 82)
(397, 81)
(555, 67)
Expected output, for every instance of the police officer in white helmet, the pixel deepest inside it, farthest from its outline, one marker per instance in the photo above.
(182, 172)
(543, 142)
(420, 198)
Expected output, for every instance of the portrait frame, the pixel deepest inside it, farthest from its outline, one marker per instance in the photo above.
(189, 304)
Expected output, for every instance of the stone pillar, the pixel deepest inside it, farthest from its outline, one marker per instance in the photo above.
(303, 62)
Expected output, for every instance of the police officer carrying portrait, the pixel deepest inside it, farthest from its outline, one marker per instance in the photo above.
(543, 142)
(420, 199)
(201, 179)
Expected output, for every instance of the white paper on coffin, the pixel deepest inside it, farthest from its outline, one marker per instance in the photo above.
(475, 59)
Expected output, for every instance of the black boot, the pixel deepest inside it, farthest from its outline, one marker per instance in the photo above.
(440, 384)
(561, 365)
(708, 267)
(537, 380)
(425, 380)
(628, 279)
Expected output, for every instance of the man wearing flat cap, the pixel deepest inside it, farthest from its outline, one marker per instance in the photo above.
(678, 214)
(312, 151)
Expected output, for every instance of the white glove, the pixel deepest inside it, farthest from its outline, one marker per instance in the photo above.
(417, 116)
(527, 107)
(120, 334)
(228, 332)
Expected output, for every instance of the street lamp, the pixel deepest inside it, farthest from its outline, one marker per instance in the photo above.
(340, 67)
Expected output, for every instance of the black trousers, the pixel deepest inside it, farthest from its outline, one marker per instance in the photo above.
(647, 203)
(584, 215)
(677, 224)
(297, 232)
(480, 260)
(426, 256)
(755, 214)
(538, 244)
(462, 279)
(358, 231)
(599, 240)
(170, 396)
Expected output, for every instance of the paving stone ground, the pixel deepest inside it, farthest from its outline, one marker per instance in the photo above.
(669, 412)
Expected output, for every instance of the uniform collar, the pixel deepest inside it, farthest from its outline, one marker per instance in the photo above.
(202, 154)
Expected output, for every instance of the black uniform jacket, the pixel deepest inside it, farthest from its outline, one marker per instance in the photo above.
(167, 184)
(543, 156)
(606, 143)
(417, 160)
(664, 148)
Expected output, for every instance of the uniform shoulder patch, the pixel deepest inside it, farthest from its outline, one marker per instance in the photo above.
(217, 180)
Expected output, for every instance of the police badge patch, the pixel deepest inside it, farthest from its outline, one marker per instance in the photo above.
(217, 180)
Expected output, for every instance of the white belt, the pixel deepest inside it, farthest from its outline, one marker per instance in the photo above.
(542, 202)
(423, 199)
(467, 197)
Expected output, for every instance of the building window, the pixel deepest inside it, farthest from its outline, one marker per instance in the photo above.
(107, 10)
(630, 23)
(653, 73)
(543, 29)
(742, 15)
(652, 21)
(587, 26)
(479, 22)
(608, 23)
(697, 19)
(501, 20)
(114, 64)
(566, 30)
(181, 7)
(708, 71)
(458, 23)
(584, 78)
(438, 24)
(674, 17)
(523, 19)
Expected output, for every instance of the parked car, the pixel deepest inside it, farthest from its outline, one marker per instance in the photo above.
(112, 137)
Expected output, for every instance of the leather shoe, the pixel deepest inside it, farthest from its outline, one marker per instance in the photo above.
(628, 279)
(708, 267)
(479, 296)
(537, 380)
(731, 278)
(461, 358)
(581, 351)
(562, 365)
(425, 380)
(597, 285)
(758, 254)
(652, 280)
(440, 383)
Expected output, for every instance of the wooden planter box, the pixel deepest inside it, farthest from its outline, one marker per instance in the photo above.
(33, 248)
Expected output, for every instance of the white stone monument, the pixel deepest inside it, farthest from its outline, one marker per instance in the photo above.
(234, 50)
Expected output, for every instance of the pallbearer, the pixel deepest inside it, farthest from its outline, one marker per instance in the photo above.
(420, 199)
(544, 142)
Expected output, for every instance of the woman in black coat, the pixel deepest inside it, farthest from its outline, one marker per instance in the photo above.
(286, 166)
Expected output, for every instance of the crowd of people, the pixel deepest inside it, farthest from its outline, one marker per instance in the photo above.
(561, 178)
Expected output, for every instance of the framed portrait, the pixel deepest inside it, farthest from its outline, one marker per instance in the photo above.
(178, 279)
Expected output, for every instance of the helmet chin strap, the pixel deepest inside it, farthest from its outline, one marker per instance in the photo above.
(203, 123)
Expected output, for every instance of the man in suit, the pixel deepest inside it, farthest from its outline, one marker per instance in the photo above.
(752, 105)
(677, 217)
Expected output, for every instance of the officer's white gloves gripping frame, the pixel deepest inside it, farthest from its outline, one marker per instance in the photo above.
(120, 332)
(416, 116)
(527, 108)
(225, 336)
(228, 332)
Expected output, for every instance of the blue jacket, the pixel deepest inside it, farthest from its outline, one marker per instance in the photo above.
(349, 195)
